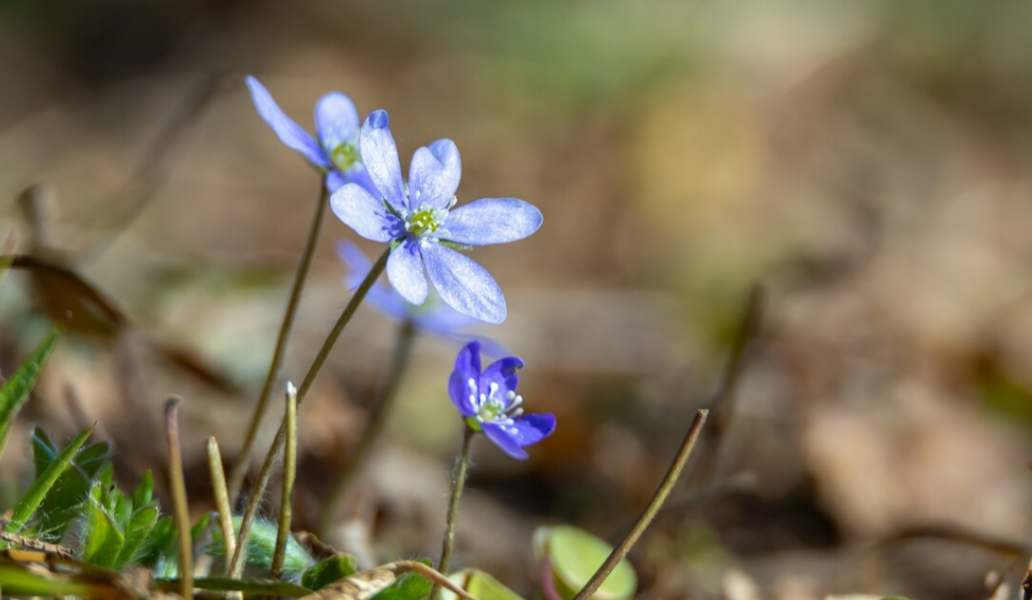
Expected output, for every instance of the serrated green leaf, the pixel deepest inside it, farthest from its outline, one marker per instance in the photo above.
(329, 570)
(575, 556)
(16, 390)
(104, 538)
(34, 496)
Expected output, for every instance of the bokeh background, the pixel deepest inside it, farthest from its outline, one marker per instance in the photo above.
(869, 163)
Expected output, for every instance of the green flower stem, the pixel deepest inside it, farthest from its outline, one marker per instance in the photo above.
(457, 484)
(237, 565)
(289, 472)
(236, 478)
(218, 484)
(660, 496)
(181, 512)
(377, 422)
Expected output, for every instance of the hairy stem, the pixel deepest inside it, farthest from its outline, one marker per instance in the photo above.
(218, 484)
(180, 510)
(377, 423)
(457, 484)
(236, 478)
(660, 496)
(270, 457)
(289, 472)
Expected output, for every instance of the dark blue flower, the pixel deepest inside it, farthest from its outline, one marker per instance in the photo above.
(490, 404)
(418, 220)
(334, 150)
(433, 316)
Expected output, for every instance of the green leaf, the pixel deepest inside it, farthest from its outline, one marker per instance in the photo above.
(34, 496)
(480, 585)
(104, 538)
(250, 587)
(575, 556)
(61, 506)
(410, 586)
(143, 495)
(15, 392)
(329, 570)
(140, 527)
(161, 542)
(261, 545)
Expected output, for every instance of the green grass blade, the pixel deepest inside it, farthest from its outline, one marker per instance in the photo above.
(18, 581)
(15, 392)
(28, 504)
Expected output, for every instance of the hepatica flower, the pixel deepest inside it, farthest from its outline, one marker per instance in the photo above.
(334, 148)
(433, 316)
(419, 219)
(489, 403)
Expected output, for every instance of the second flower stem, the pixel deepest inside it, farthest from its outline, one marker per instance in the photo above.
(258, 491)
(236, 478)
(457, 484)
(377, 422)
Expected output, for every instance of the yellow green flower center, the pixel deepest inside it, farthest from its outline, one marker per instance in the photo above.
(344, 156)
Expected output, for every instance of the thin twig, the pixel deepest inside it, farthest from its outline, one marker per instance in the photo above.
(289, 472)
(218, 484)
(458, 482)
(236, 478)
(262, 480)
(177, 484)
(723, 404)
(650, 511)
(377, 423)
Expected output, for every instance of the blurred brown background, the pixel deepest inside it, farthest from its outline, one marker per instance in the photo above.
(869, 162)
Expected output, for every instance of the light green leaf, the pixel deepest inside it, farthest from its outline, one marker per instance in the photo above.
(575, 556)
(16, 390)
(480, 585)
(34, 496)
(410, 586)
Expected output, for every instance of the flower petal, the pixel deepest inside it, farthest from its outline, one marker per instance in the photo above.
(289, 132)
(335, 180)
(492, 221)
(434, 175)
(405, 272)
(380, 156)
(336, 121)
(503, 372)
(366, 215)
(531, 429)
(501, 436)
(464, 284)
(467, 367)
